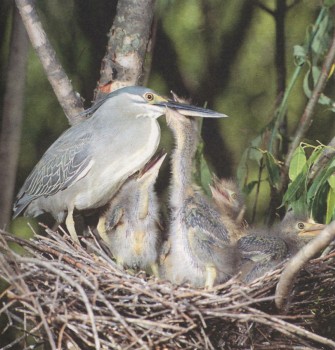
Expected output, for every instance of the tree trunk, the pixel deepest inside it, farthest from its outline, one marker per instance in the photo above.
(127, 46)
(12, 115)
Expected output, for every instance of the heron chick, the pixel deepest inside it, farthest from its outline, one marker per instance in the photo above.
(132, 220)
(262, 250)
(85, 167)
(201, 248)
(230, 202)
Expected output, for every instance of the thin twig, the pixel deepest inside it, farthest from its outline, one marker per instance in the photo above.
(306, 118)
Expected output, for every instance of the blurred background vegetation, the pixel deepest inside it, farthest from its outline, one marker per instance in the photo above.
(234, 56)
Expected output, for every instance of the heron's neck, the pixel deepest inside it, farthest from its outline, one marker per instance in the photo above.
(186, 140)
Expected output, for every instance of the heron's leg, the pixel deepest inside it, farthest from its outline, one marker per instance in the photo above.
(69, 222)
(210, 276)
(240, 216)
(101, 228)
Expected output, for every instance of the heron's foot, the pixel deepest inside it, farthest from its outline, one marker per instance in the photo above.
(69, 222)
(211, 275)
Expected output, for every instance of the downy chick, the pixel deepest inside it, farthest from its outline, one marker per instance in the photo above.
(132, 230)
(230, 202)
(202, 252)
(262, 250)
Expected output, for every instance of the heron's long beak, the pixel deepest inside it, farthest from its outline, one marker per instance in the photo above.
(191, 110)
(311, 230)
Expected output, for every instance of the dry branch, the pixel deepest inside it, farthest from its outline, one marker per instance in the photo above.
(306, 118)
(67, 97)
(77, 295)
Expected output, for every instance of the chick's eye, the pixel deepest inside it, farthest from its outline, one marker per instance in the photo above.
(234, 195)
(149, 96)
(301, 225)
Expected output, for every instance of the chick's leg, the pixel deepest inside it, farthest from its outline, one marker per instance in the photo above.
(210, 276)
(101, 228)
(155, 269)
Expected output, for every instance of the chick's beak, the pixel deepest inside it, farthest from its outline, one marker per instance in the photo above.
(311, 230)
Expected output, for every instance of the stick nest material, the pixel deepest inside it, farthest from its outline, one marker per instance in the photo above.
(73, 297)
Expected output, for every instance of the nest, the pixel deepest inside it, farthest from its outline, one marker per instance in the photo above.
(72, 297)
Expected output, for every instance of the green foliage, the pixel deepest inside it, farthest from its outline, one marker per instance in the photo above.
(265, 151)
(218, 51)
(298, 162)
(330, 213)
(319, 42)
(316, 194)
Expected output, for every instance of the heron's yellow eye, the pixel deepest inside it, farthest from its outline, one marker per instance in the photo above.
(149, 96)
(301, 225)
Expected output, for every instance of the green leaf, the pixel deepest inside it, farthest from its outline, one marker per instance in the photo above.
(307, 90)
(331, 181)
(249, 187)
(325, 100)
(330, 214)
(321, 37)
(300, 55)
(315, 154)
(299, 206)
(273, 168)
(319, 182)
(242, 169)
(254, 152)
(297, 163)
(296, 188)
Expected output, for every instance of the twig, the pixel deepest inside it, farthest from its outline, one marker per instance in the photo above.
(306, 118)
(67, 97)
(264, 8)
(285, 326)
(65, 277)
(285, 283)
(132, 312)
(23, 286)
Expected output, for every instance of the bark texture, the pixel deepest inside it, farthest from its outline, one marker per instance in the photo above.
(127, 46)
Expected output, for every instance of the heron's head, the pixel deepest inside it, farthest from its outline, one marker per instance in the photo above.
(140, 102)
(303, 226)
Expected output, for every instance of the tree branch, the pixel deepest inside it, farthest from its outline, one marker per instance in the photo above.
(127, 46)
(67, 97)
(306, 119)
(12, 115)
(327, 154)
(264, 8)
(293, 267)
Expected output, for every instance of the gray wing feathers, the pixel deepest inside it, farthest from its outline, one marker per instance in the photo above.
(62, 165)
